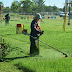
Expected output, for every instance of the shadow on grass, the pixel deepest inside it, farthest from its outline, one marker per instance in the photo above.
(9, 34)
(10, 59)
(24, 69)
(1, 60)
(14, 20)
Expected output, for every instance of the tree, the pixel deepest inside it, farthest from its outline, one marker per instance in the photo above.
(1, 4)
(64, 9)
(61, 9)
(55, 9)
(35, 9)
(48, 9)
(71, 8)
(6, 10)
(15, 6)
(21, 10)
(71, 2)
(27, 6)
(39, 4)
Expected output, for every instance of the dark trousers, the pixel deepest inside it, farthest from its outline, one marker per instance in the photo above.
(6, 21)
(34, 46)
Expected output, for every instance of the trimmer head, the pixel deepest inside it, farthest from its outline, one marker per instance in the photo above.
(65, 55)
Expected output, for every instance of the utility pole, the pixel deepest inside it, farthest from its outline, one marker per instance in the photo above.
(0, 13)
(66, 5)
(66, 13)
(69, 14)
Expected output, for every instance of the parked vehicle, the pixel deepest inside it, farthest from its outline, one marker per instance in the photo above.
(63, 14)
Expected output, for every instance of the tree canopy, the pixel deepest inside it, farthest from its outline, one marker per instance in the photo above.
(15, 6)
(30, 6)
(27, 5)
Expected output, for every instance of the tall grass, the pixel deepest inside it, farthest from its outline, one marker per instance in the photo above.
(18, 46)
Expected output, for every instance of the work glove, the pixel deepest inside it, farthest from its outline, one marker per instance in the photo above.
(41, 32)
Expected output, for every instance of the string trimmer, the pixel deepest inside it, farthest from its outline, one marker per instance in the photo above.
(25, 32)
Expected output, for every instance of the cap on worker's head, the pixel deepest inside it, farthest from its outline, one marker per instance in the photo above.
(37, 16)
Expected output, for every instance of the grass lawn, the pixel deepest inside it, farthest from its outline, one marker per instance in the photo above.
(17, 57)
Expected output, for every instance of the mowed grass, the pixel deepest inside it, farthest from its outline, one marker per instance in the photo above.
(17, 57)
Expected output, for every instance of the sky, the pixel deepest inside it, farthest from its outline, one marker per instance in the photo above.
(58, 3)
